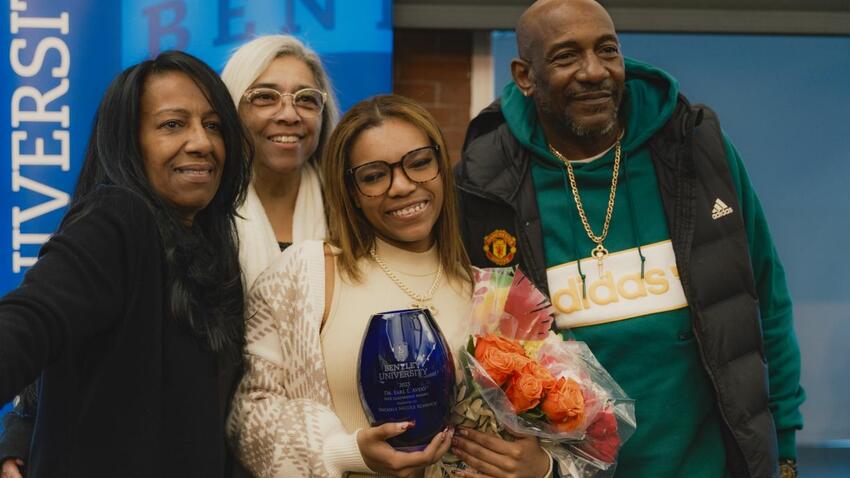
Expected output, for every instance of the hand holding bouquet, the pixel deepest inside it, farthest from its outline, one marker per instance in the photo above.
(522, 379)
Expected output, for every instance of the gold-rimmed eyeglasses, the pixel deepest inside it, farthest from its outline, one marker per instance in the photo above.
(376, 178)
(306, 101)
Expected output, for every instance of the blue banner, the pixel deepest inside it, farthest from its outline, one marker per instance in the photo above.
(354, 38)
(60, 59)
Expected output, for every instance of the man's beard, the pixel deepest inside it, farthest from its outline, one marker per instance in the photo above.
(585, 129)
(592, 130)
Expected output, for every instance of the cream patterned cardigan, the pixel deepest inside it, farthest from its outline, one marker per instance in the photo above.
(282, 423)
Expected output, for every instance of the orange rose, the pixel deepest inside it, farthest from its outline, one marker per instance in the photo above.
(533, 368)
(564, 405)
(499, 356)
(524, 392)
(499, 365)
(499, 342)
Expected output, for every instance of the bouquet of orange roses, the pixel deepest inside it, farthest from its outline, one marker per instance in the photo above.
(521, 378)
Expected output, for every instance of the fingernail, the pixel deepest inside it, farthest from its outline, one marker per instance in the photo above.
(406, 426)
(461, 432)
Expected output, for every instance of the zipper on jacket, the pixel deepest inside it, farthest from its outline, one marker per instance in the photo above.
(689, 127)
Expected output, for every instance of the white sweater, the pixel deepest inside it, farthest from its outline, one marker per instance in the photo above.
(282, 422)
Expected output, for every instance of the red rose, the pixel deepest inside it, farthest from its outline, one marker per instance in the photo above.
(602, 440)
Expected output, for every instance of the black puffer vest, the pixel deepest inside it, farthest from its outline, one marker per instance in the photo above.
(496, 192)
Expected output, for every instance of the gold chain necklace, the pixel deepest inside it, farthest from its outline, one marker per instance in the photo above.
(419, 300)
(599, 252)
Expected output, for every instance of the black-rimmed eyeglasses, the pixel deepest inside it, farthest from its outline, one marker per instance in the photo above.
(376, 178)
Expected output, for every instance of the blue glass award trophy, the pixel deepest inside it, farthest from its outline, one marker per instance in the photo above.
(406, 373)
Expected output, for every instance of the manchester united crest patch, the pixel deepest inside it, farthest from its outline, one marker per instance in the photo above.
(500, 247)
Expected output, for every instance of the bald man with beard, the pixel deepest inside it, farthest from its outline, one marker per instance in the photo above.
(634, 212)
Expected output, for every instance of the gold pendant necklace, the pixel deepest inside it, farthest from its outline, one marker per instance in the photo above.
(599, 252)
(420, 301)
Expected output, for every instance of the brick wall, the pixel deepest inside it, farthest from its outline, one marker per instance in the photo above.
(433, 67)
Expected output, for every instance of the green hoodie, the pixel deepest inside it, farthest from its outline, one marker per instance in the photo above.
(649, 347)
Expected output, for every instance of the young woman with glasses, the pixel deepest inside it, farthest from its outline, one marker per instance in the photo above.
(394, 243)
(285, 100)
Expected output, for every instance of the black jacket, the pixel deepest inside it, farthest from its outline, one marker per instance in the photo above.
(16, 426)
(126, 390)
(497, 192)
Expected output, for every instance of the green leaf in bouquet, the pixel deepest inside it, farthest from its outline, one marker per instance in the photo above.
(470, 346)
(534, 415)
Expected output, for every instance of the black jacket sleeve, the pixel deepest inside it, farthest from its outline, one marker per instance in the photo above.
(17, 426)
(76, 289)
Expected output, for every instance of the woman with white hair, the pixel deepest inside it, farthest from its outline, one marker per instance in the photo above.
(286, 101)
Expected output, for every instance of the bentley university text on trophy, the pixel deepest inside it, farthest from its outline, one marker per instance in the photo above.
(406, 373)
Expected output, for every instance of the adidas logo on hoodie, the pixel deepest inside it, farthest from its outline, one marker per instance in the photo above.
(720, 209)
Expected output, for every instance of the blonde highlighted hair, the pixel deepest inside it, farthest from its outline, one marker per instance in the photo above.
(349, 230)
(250, 60)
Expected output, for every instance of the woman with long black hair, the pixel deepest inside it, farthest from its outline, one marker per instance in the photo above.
(133, 315)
